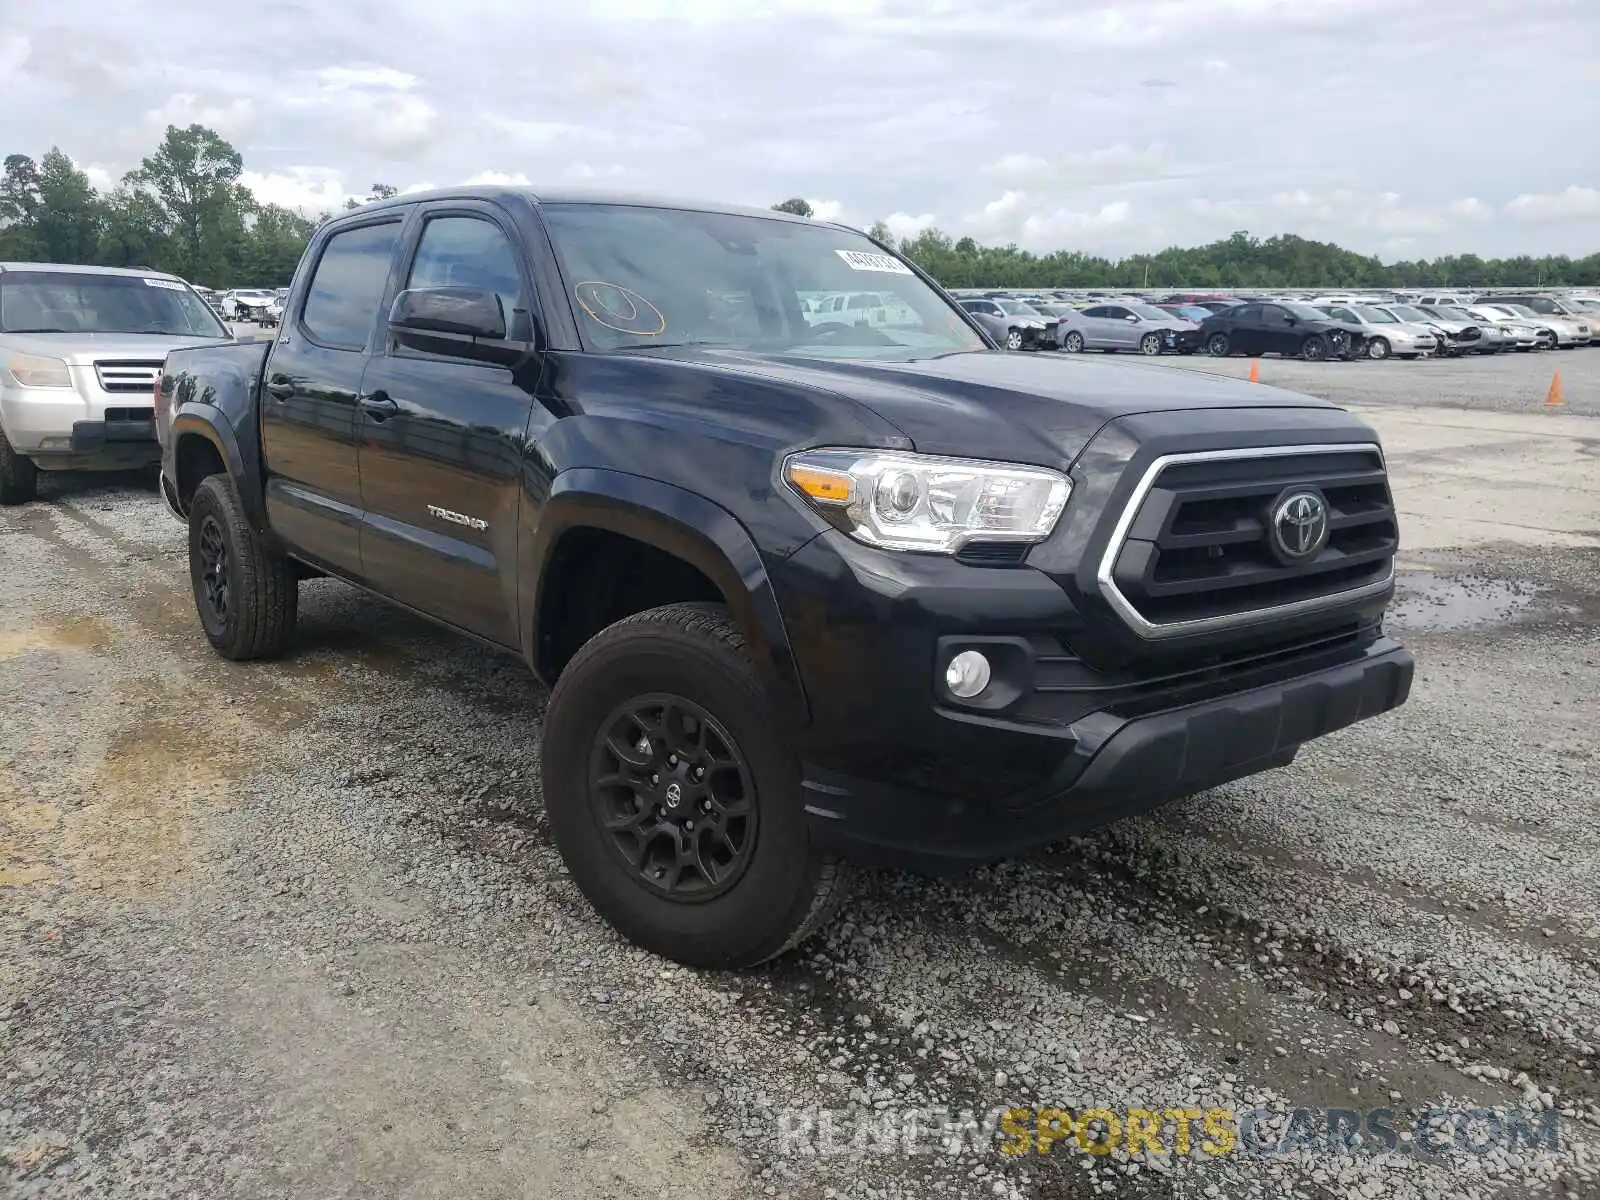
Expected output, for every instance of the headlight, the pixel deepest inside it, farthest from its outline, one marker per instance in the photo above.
(31, 372)
(918, 502)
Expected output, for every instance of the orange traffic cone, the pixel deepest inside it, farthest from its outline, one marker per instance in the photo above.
(1553, 397)
(1255, 370)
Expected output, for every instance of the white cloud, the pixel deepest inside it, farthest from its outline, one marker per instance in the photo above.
(234, 119)
(309, 190)
(904, 225)
(497, 179)
(1573, 201)
(826, 210)
(351, 78)
(1018, 166)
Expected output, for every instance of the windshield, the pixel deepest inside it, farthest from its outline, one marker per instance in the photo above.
(79, 302)
(1305, 312)
(1453, 313)
(641, 277)
(1193, 312)
(1377, 316)
(1053, 310)
(1406, 313)
(1017, 308)
(1149, 312)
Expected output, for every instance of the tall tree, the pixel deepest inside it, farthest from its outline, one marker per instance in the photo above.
(796, 205)
(70, 215)
(193, 176)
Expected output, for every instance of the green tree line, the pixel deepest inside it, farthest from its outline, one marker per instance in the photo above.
(183, 209)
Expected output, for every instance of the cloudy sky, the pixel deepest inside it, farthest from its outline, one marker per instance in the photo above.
(1399, 127)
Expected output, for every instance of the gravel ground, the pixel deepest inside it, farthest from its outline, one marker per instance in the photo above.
(297, 929)
(1499, 383)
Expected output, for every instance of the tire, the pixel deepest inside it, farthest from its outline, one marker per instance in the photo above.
(1379, 348)
(774, 891)
(1217, 345)
(1013, 339)
(259, 589)
(1073, 343)
(1150, 343)
(1314, 348)
(19, 477)
(1547, 340)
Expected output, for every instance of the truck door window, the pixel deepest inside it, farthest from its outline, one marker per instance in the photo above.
(469, 252)
(348, 286)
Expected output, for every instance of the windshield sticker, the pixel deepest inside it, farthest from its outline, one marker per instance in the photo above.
(171, 285)
(861, 260)
(619, 308)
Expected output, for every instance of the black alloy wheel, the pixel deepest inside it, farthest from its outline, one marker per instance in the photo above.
(214, 570)
(1217, 345)
(672, 792)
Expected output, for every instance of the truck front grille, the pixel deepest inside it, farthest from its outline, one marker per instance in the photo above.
(128, 377)
(1196, 547)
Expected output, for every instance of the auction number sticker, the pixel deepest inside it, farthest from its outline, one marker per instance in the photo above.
(171, 285)
(862, 260)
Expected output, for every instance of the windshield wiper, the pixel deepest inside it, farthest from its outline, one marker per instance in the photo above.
(41, 330)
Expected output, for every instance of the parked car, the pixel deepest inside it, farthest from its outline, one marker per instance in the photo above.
(1385, 333)
(1131, 326)
(242, 304)
(1292, 330)
(1520, 333)
(803, 597)
(80, 352)
(1568, 326)
(1013, 324)
(1459, 335)
(1492, 337)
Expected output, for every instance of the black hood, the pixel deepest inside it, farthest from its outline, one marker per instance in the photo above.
(1034, 408)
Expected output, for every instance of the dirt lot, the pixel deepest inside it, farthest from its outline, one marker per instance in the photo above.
(296, 929)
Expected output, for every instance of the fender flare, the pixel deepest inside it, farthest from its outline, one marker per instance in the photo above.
(206, 421)
(687, 526)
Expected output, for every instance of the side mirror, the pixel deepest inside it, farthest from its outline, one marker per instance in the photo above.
(1132, 319)
(464, 312)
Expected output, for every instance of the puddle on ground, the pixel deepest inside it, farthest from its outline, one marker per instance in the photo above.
(1444, 602)
(81, 633)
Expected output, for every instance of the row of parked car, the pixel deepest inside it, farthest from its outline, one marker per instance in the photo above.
(1314, 327)
(259, 306)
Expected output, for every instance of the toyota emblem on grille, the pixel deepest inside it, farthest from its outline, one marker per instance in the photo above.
(1299, 525)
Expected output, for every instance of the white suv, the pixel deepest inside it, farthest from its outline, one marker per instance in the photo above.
(81, 350)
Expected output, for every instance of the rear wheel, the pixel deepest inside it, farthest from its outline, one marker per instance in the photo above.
(247, 595)
(1074, 343)
(1150, 343)
(1217, 345)
(674, 795)
(19, 477)
(1314, 348)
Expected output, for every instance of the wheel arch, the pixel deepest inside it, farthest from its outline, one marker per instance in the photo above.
(592, 507)
(197, 429)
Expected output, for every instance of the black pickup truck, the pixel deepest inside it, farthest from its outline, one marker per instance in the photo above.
(809, 592)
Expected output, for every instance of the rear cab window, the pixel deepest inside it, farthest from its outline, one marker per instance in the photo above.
(347, 287)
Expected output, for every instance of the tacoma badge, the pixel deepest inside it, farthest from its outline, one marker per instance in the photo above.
(455, 518)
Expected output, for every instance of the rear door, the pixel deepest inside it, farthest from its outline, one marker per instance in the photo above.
(308, 396)
(1244, 328)
(441, 437)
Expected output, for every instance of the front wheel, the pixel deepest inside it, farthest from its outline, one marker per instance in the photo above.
(19, 477)
(1378, 348)
(1150, 343)
(247, 595)
(1074, 343)
(673, 793)
(1013, 339)
(1314, 348)
(1217, 345)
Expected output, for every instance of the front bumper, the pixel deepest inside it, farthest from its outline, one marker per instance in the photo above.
(1109, 768)
(898, 773)
(59, 429)
(1182, 341)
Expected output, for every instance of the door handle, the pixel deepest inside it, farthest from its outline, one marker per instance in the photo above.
(379, 406)
(280, 389)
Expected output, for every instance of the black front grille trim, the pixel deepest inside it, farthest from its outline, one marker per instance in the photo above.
(1189, 551)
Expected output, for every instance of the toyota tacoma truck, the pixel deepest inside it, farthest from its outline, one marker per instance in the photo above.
(81, 349)
(807, 594)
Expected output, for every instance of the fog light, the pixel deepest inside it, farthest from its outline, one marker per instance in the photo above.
(967, 675)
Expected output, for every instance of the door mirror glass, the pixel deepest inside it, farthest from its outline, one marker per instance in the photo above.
(464, 312)
(1132, 318)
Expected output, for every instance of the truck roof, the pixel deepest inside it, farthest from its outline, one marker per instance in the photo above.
(537, 195)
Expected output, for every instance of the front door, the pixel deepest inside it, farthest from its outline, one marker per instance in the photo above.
(308, 396)
(1281, 334)
(442, 438)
